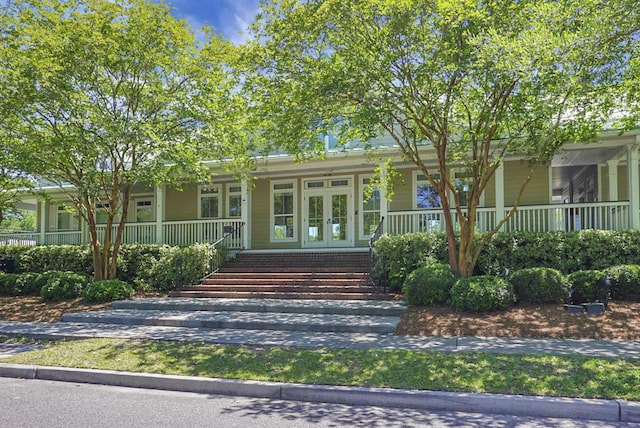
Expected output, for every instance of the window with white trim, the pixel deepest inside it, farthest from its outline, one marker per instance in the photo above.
(234, 200)
(283, 211)
(102, 213)
(209, 202)
(369, 208)
(144, 210)
(462, 183)
(425, 195)
(64, 218)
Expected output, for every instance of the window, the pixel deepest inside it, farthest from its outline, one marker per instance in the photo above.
(144, 210)
(64, 220)
(426, 196)
(462, 183)
(234, 201)
(370, 209)
(209, 202)
(102, 213)
(283, 209)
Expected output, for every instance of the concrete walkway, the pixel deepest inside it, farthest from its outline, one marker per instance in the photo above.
(605, 410)
(70, 330)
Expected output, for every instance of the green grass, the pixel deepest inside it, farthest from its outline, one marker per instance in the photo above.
(544, 375)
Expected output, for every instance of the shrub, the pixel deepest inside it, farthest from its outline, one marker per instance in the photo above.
(583, 286)
(28, 284)
(62, 285)
(402, 254)
(133, 259)
(626, 280)
(429, 285)
(482, 293)
(540, 285)
(70, 258)
(186, 264)
(7, 283)
(107, 291)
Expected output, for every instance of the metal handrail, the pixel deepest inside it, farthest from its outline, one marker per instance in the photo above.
(222, 257)
(375, 280)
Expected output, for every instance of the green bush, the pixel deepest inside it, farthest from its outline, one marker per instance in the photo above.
(186, 265)
(583, 285)
(400, 255)
(64, 258)
(62, 285)
(107, 291)
(7, 283)
(540, 285)
(626, 280)
(134, 259)
(429, 285)
(482, 293)
(28, 284)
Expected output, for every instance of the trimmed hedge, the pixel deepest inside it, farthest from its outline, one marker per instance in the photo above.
(626, 280)
(63, 285)
(149, 267)
(540, 285)
(482, 293)
(429, 285)
(107, 291)
(583, 286)
(402, 254)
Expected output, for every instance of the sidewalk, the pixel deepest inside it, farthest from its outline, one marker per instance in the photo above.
(584, 409)
(68, 330)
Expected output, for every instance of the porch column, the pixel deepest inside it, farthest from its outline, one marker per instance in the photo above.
(384, 204)
(634, 184)
(160, 191)
(612, 166)
(43, 222)
(499, 177)
(246, 214)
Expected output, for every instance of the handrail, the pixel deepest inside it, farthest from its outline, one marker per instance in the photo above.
(223, 256)
(220, 257)
(377, 280)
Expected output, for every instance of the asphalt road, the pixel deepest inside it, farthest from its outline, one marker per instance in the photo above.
(36, 403)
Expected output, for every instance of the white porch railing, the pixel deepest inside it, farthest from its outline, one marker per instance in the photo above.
(19, 238)
(73, 237)
(134, 233)
(536, 218)
(209, 231)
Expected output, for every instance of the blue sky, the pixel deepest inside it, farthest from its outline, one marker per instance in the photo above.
(229, 17)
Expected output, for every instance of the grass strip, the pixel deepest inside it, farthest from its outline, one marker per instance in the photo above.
(542, 375)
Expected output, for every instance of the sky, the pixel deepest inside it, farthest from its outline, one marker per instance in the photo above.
(231, 18)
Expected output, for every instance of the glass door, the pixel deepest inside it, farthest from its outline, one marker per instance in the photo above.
(328, 214)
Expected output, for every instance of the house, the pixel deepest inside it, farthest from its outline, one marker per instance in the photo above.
(321, 204)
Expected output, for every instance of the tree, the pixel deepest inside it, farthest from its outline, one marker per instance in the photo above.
(99, 95)
(458, 85)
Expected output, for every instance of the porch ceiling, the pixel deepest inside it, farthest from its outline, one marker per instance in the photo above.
(587, 156)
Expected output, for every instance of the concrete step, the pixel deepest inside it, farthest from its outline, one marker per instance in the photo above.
(307, 322)
(336, 307)
(275, 282)
(298, 276)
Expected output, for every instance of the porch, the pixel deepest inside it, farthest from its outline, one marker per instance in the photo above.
(533, 218)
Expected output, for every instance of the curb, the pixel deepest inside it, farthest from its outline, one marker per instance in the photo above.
(571, 408)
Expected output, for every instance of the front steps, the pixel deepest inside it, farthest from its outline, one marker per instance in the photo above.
(322, 316)
(334, 276)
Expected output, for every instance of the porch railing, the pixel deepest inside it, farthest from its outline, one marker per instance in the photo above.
(532, 218)
(19, 238)
(210, 231)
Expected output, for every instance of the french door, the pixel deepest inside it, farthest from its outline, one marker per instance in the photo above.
(328, 213)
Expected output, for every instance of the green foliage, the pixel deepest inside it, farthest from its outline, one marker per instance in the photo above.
(401, 254)
(626, 280)
(482, 293)
(107, 291)
(186, 265)
(74, 258)
(429, 285)
(583, 285)
(134, 259)
(540, 285)
(7, 283)
(62, 285)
